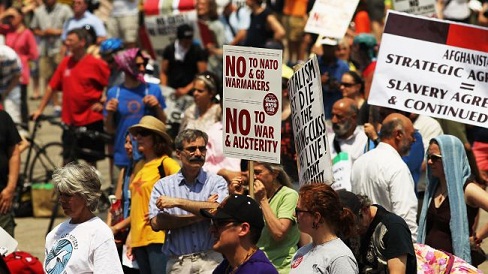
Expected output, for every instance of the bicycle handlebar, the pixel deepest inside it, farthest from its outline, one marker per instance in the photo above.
(78, 131)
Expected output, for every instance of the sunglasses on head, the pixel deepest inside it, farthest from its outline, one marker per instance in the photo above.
(434, 157)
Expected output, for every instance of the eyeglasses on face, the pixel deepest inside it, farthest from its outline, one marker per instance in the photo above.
(434, 157)
(193, 149)
(347, 85)
(298, 210)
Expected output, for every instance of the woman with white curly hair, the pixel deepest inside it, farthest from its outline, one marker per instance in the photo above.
(83, 243)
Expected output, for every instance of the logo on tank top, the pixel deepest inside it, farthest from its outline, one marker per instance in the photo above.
(296, 262)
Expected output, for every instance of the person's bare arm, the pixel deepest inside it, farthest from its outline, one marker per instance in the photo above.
(277, 227)
(152, 102)
(439, 9)
(165, 221)
(397, 265)
(187, 205)
(109, 121)
(240, 36)
(482, 19)
(7, 194)
(45, 99)
(202, 66)
(164, 70)
(276, 27)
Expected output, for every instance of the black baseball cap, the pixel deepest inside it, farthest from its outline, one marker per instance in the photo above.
(241, 208)
(184, 31)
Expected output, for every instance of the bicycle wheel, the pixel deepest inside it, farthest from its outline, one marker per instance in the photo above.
(46, 160)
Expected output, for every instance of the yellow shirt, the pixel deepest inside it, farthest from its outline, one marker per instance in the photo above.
(146, 174)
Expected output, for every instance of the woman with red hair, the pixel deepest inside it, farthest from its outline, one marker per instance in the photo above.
(320, 214)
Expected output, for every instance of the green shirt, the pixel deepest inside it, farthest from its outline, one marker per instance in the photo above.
(280, 253)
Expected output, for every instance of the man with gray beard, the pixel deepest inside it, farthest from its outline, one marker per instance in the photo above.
(348, 137)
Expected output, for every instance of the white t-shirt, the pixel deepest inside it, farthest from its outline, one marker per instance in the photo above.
(88, 247)
(330, 257)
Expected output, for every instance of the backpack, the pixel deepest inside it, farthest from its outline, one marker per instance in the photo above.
(20, 262)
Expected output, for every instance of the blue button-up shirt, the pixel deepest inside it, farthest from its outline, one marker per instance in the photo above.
(195, 237)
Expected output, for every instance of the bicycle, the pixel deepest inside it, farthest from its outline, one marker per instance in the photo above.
(45, 159)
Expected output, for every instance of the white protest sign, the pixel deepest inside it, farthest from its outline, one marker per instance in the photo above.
(431, 67)
(161, 28)
(252, 103)
(331, 18)
(309, 128)
(341, 168)
(418, 7)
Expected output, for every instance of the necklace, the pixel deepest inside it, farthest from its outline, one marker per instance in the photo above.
(441, 196)
(231, 270)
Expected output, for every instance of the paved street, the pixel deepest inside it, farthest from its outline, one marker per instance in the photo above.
(30, 232)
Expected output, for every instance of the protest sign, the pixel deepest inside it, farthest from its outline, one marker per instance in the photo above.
(309, 127)
(418, 7)
(331, 18)
(162, 28)
(342, 168)
(252, 103)
(432, 67)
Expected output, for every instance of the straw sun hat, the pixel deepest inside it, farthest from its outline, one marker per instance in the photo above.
(153, 124)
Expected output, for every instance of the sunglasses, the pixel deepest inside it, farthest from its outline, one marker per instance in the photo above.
(434, 157)
(348, 85)
(143, 132)
(193, 149)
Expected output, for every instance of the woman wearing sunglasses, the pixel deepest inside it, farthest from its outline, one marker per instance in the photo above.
(321, 215)
(352, 86)
(156, 146)
(452, 200)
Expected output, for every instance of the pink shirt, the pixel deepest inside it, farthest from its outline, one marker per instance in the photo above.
(24, 44)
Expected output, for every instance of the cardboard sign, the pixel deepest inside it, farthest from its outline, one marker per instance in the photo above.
(331, 18)
(418, 7)
(309, 124)
(252, 103)
(431, 67)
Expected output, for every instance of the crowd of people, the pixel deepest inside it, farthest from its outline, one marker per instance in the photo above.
(181, 205)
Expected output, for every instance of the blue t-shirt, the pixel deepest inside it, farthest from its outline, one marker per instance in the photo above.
(129, 112)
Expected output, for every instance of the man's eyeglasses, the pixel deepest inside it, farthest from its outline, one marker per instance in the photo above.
(434, 157)
(297, 210)
(347, 85)
(193, 149)
(143, 132)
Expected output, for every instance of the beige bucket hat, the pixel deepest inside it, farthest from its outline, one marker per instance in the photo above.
(153, 124)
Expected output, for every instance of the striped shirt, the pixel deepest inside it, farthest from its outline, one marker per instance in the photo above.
(9, 66)
(195, 237)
